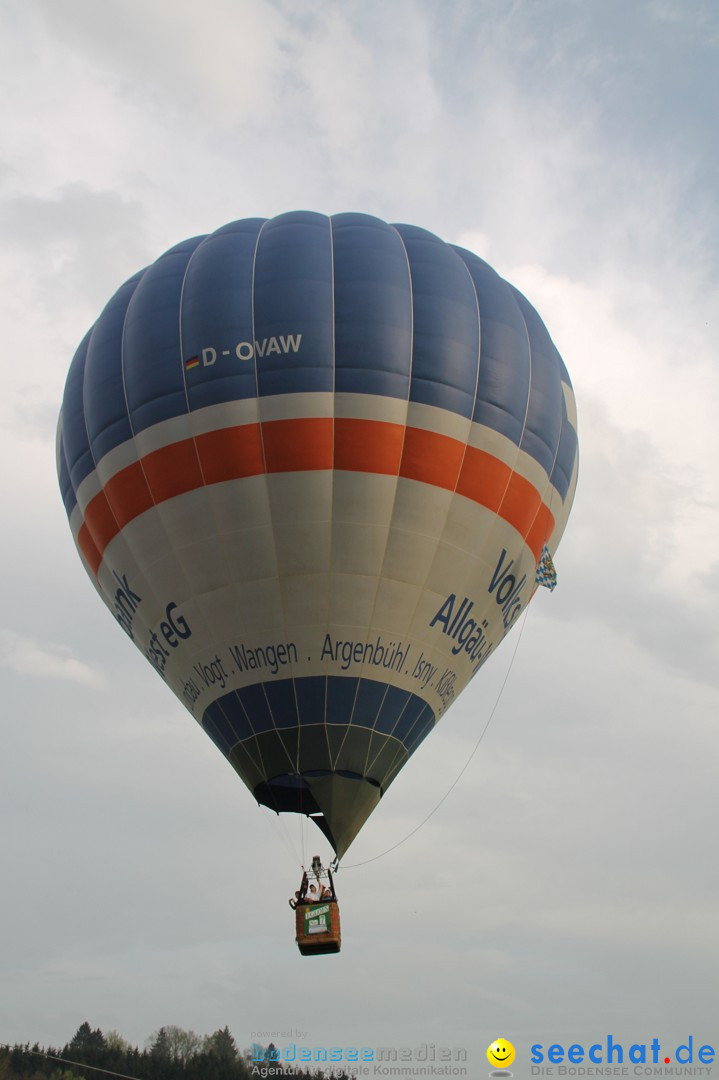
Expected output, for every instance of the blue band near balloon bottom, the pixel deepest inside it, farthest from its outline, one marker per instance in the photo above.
(292, 739)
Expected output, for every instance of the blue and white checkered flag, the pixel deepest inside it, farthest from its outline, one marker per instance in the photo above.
(546, 574)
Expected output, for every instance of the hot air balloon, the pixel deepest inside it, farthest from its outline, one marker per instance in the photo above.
(311, 465)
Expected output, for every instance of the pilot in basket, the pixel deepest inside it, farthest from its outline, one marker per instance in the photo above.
(317, 913)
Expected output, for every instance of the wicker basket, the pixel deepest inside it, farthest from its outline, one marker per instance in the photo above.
(318, 928)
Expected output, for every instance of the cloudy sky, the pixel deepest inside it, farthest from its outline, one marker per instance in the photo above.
(567, 886)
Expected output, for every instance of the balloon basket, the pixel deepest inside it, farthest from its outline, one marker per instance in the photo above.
(318, 928)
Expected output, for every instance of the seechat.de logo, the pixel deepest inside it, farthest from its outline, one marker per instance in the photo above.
(610, 1052)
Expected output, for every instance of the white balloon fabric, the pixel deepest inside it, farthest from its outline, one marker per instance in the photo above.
(311, 464)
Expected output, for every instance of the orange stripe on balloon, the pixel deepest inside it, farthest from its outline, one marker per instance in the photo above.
(491, 483)
(521, 504)
(88, 547)
(431, 458)
(100, 521)
(484, 479)
(298, 445)
(368, 446)
(173, 470)
(128, 494)
(307, 445)
(231, 453)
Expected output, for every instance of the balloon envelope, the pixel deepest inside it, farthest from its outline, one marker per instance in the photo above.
(310, 464)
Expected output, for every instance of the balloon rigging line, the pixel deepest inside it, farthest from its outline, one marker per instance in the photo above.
(67, 1061)
(283, 831)
(460, 774)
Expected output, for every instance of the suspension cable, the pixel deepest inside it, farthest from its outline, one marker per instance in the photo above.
(460, 774)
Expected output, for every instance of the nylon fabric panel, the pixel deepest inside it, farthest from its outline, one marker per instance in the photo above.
(78, 454)
(226, 563)
(540, 438)
(123, 496)
(563, 477)
(152, 354)
(445, 351)
(292, 290)
(373, 307)
(217, 330)
(63, 473)
(104, 404)
(293, 306)
(504, 367)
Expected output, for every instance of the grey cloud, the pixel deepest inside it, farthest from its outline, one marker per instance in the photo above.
(77, 245)
(34, 415)
(161, 56)
(44, 660)
(624, 559)
(7, 171)
(76, 212)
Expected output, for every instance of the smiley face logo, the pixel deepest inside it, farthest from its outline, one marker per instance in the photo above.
(500, 1053)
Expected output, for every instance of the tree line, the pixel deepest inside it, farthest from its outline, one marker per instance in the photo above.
(171, 1053)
